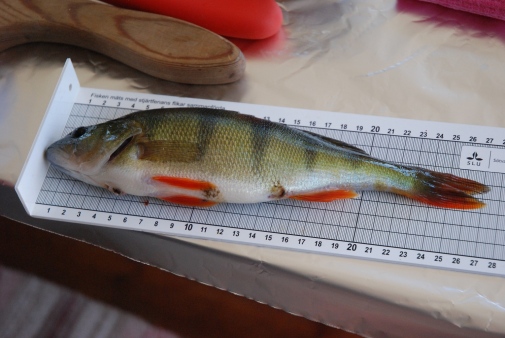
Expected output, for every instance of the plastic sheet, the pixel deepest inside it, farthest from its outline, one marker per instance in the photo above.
(391, 58)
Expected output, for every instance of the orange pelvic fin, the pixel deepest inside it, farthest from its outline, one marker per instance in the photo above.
(189, 201)
(325, 196)
(185, 183)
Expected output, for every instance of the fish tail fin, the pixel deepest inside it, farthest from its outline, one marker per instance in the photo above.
(445, 190)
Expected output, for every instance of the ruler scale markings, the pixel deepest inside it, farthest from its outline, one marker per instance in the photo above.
(372, 219)
(383, 220)
(384, 202)
(115, 197)
(500, 237)
(358, 219)
(272, 231)
(482, 231)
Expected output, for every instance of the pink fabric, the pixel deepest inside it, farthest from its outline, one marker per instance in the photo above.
(491, 8)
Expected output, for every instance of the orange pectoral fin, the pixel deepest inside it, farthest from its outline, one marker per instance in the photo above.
(185, 183)
(325, 196)
(189, 201)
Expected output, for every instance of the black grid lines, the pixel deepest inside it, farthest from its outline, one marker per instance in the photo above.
(373, 218)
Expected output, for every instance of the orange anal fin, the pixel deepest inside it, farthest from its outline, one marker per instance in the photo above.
(185, 183)
(189, 201)
(325, 196)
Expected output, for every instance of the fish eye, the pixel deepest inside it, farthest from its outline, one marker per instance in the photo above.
(78, 132)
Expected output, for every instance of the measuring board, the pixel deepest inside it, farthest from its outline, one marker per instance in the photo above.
(375, 225)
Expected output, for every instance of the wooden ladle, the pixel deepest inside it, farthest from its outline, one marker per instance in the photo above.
(160, 46)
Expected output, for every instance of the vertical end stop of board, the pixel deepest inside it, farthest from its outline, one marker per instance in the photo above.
(53, 123)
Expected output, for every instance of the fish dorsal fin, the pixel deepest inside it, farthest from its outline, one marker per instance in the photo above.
(168, 151)
(337, 143)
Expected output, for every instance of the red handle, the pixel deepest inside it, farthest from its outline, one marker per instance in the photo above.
(247, 19)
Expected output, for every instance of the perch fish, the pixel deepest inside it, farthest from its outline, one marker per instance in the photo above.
(201, 157)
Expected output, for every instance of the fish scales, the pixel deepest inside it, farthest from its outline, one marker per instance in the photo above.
(201, 157)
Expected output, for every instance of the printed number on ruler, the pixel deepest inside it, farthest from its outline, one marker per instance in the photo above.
(246, 236)
(391, 128)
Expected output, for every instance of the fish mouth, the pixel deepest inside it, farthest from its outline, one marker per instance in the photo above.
(62, 162)
(63, 169)
(58, 158)
(74, 174)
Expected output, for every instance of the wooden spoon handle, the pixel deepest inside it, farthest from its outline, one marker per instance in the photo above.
(157, 45)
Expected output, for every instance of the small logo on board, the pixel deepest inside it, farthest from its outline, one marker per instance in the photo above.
(474, 159)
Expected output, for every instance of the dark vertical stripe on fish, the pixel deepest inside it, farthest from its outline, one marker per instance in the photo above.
(260, 143)
(261, 133)
(206, 128)
(310, 158)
